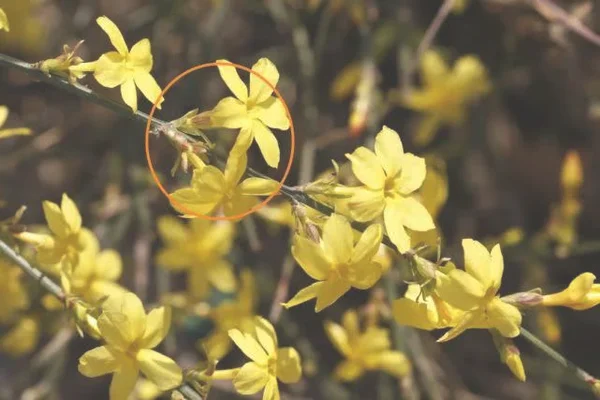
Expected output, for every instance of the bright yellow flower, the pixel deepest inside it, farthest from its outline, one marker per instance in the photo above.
(14, 295)
(68, 238)
(269, 363)
(446, 94)
(424, 311)
(4, 21)
(198, 248)
(232, 314)
(5, 133)
(130, 335)
(475, 292)
(21, 338)
(391, 178)
(336, 262)
(253, 110)
(123, 67)
(581, 294)
(213, 190)
(364, 351)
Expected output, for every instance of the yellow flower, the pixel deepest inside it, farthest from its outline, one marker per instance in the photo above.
(146, 390)
(391, 178)
(424, 311)
(581, 294)
(475, 292)
(14, 295)
(95, 276)
(22, 338)
(198, 248)
(5, 133)
(336, 262)
(130, 335)
(269, 363)
(446, 94)
(124, 67)
(364, 351)
(4, 21)
(212, 190)
(232, 314)
(253, 110)
(68, 238)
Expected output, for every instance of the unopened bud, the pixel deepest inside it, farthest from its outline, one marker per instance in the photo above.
(531, 298)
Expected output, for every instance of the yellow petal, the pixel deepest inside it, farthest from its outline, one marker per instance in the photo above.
(412, 174)
(258, 186)
(366, 204)
(198, 285)
(351, 323)
(477, 261)
(4, 23)
(304, 295)
(55, 219)
(393, 220)
(160, 369)
(267, 143)
(220, 275)
(97, 362)
(193, 201)
(506, 318)
(229, 113)
(271, 389)
(364, 275)
(496, 267)
(123, 382)
(129, 94)
(394, 363)
(331, 290)
(109, 265)
(367, 168)
(6, 133)
(419, 315)
(427, 127)
(389, 150)
(243, 140)
(272, 113)
(3, 109)
(348, 371)
(433, 68)
(289, 368)
(460, 289)
(140, 58)
(266, 335)
(114, 34)
(149, 88)
(110, 70)
(337, 239)
(239, 204)
(249, 346)
(123, 320)
(70, 213)
(158, 323)
(233, 81)
(251, 378)
(468, 320)
(311, 258)
(338, 336)
(368, 244)
(259, 90)
(413, 214)
(234, 170)
(171, 229)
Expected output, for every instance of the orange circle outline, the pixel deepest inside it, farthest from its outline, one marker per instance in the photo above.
(147, 142)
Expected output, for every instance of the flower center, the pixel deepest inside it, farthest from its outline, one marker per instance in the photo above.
(272, 365)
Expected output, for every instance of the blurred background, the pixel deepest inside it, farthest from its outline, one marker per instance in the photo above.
(347, 68)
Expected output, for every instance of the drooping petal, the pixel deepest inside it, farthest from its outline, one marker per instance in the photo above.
(70, 213)
(140, 58)
(272, 113)
(97, 362)
(413, 214)
(149, 88)
(412, 175)
(158, 323)
(114, 34)
(123, 382)
(331, 290)
(229, 113)
(249, 346)
(460, 289)
(259, 89)
(311, 258)
(289, 369)
(251, 378)
(368, 244)
(267, 143)
(392, 218)
(266, 335)
(271, 389)
(337, 239)
(348, 371)
(160, 369)
(389, 150)
(220, 275)
(304, 295)
(55, 219)
(338, 336)
(129, 94)
(367, 168)
(233, 81)
(477, 261)
(109, 265)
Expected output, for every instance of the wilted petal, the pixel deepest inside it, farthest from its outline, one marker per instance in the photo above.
(160, 369)
(389, 150)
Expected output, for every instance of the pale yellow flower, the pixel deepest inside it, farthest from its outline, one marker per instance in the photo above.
(21, 338)
(424, 311)
(391, 178)
(129, 336)
(254, 110)
(337, 263)
(364, 351)
(15, 297)
(581, 294)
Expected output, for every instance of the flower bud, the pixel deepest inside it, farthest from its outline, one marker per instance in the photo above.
(531, 298)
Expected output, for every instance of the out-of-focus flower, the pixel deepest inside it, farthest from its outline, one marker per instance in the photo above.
(253, 109)
(581, 294)
(125, 68)
(28, 32)
(130, 335)
(15, 297)
(21, 338)
(337, 263)
(475, 292)
(425, 311)
(446, 94)
(5, 133)
(391, 177)
(4, 21)
(460, 6)
(364, 351)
